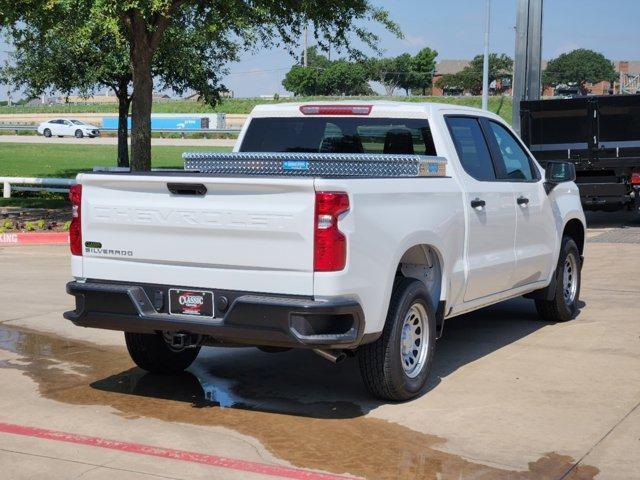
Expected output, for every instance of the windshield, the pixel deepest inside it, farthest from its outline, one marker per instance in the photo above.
(339, 135)
(77, 122)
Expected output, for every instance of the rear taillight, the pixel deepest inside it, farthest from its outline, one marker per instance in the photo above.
(635, 178)
(330, 244)
(335, 109)
(75, 230)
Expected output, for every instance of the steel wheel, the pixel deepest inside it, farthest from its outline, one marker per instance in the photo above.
(414, 340)
(570, 279)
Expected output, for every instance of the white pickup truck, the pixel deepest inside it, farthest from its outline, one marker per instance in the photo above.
(345, 228)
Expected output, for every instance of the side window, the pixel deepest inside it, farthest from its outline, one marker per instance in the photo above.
(513, 158)
(471, 147)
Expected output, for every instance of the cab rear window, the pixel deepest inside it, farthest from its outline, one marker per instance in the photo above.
(339, 135)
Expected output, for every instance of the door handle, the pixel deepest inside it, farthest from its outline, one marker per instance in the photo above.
(477, 203)
(195, 189)
(522, 201)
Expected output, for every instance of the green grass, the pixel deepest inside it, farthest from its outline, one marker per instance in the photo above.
(500, 105)
(65, 161)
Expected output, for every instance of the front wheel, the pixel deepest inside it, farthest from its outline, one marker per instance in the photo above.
(152, 353)
(396, 366)
(79, 134)
(566, 289)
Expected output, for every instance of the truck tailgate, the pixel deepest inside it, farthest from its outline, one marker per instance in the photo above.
(251, 234)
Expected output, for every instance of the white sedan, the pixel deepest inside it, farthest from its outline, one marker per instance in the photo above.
(68, 127)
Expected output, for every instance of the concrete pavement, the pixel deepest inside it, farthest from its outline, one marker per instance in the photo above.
(509, 397)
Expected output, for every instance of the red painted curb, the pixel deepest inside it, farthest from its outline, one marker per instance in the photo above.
(179, 455)
(33, 238)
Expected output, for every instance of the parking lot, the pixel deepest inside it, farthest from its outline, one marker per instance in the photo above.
(509, 396)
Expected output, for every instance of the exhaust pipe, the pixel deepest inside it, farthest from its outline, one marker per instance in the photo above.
(334, 356)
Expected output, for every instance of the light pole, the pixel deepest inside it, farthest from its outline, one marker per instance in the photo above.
(306, 44)
(485, 66)
(528, 60)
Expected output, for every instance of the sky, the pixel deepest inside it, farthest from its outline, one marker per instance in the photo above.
(455, 28)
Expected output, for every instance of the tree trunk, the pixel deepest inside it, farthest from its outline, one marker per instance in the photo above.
(141, 57)
(123, 129)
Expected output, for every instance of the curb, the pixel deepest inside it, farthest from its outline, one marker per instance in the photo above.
(35, 238)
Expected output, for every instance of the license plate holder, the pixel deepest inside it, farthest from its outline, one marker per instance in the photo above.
(197, 303)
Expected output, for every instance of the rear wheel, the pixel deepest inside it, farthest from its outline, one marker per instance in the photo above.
(79, 134)
(396, 366)
(47, 133)
(151, 352)
(566, 289)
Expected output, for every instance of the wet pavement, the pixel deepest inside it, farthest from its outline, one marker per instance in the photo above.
(509, 396)
(226, 389)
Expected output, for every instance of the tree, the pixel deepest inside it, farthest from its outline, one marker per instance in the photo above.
(470, 77)
(423, 67)
(145, 24)
(83, 55)
(386, 71)
(404, 71)
(50, 58)
(579, 66)
(404, 75)
(325, 77)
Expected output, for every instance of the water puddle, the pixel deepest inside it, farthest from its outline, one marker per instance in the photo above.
(295, 408)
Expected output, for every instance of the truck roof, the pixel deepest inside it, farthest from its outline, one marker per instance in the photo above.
(380, 108)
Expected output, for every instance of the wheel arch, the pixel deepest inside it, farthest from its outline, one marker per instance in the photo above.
(575, 229)
(425, 263)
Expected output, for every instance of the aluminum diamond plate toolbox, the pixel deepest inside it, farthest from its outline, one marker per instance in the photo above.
(315, 164)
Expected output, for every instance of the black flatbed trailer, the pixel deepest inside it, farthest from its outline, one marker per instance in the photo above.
(600, 134)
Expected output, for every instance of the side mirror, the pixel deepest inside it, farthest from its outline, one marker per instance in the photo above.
(559, 172)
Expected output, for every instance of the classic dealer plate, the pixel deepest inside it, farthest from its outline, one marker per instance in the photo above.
(191, 302)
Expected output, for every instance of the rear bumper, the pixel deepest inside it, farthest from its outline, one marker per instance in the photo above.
(595, 196)
(251, 319)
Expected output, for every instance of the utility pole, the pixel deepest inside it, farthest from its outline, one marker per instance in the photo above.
(306, 43)
(527, 71)
(485, 66)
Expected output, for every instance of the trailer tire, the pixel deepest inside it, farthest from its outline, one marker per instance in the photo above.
(392, 367)
(563, 305)
(151, 352)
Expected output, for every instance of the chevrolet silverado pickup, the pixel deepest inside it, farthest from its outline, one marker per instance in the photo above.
(349, 229)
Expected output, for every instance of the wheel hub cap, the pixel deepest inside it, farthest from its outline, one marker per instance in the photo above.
(570, 279)
(414, 340)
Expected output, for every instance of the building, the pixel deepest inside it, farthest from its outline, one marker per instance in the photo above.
(629, 78)
(446, 67)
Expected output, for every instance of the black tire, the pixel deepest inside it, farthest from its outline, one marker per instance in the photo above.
(79, 134)
(47, 133)
(380, 362)
(151, 353)
(559, 309)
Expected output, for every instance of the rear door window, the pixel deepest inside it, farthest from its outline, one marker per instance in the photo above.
(339, 135)
(472, 147)
(512, 159)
